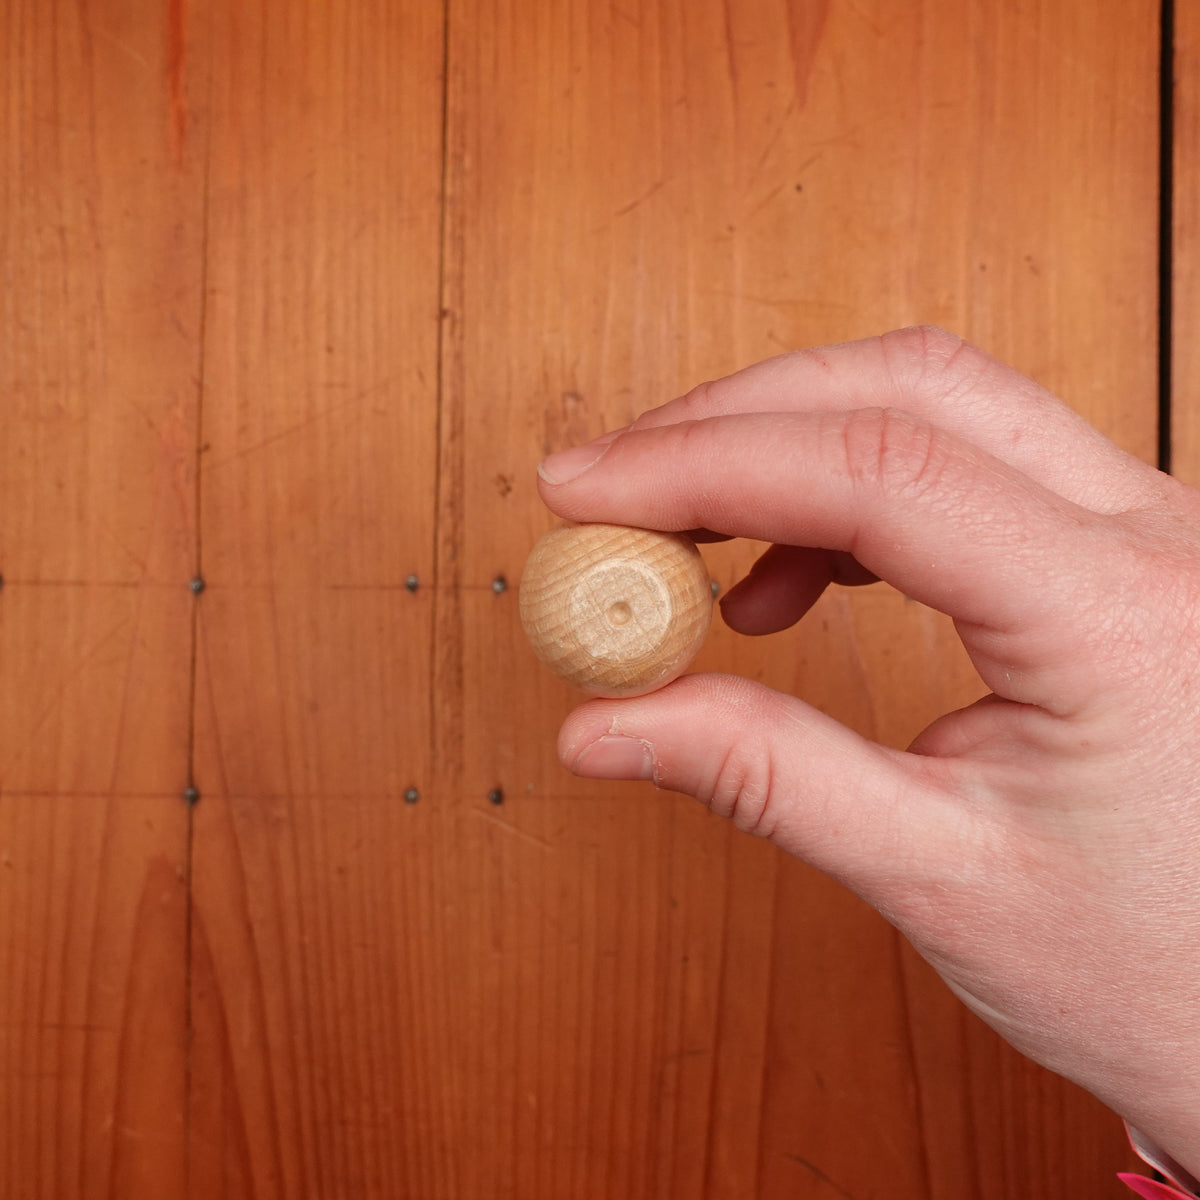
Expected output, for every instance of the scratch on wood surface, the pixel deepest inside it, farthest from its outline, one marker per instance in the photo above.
(764, 202)
(518, 833)
(820, 1175)
(773, 140)
(81, 666)
(628, 208)
(325, 414)
(124, 47)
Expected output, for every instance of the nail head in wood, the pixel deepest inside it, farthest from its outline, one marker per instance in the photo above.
(615, 611)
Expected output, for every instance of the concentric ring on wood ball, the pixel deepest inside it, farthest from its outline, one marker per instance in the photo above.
(613, 610)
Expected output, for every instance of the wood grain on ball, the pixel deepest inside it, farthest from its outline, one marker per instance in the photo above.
(615, 611)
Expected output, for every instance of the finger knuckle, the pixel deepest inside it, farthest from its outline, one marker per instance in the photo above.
(741, 789)
(698, 401)
(921, 345)
(740, 782)
(927, 357)
(890, 449)
(694, 443)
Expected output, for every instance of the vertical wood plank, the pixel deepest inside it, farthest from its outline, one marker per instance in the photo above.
(638, 198)
(100, 252)
(92, 1037)
(100, 305)
(316, 976)
(1184, 412)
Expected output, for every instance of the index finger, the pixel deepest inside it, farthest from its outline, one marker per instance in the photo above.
(947, 381)
(939, 518)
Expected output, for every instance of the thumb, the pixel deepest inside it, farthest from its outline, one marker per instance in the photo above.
(867, 815)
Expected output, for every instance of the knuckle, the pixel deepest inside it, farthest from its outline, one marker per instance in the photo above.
(698, 401)
(921, 345)
(693, 441)
(741, 789)
(740, 782)
(928, 357)
(895, 451)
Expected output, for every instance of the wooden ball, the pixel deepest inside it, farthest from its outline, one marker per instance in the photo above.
(616, 611)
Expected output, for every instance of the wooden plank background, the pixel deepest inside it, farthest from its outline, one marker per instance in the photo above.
(1185, 243)
(296, 295)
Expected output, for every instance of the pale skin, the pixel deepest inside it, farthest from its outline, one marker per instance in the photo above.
(1041, 848)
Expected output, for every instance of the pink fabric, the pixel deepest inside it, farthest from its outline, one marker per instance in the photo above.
(1154, 1156)
(1148, 1189)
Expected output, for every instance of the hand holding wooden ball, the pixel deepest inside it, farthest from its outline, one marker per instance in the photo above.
(613, 610)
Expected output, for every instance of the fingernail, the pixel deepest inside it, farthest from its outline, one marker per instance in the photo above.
(570, 464)
(616, 758)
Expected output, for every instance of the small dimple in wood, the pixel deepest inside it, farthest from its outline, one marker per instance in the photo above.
(619, 613)
(615, 611)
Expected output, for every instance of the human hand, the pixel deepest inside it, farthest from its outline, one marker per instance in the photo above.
(1039, 847)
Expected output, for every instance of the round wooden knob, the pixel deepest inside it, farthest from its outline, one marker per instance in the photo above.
(615, 611)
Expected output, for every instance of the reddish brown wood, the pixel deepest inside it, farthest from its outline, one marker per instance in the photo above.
(639, 199)
(321, 1060)
(366, 263)
(100, 305)
(1184, 413)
